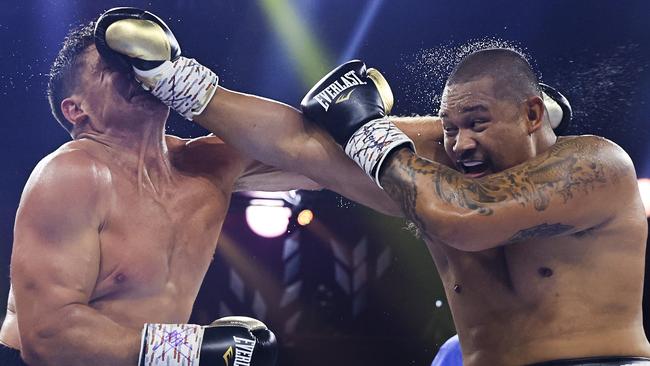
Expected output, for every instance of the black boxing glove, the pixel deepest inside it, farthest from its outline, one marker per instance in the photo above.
(229, 341)
(132, 37)
(351, 103)
(347, 98)
(558, 107)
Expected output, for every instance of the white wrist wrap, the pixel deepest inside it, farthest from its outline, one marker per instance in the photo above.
(372, 143)
(171, 345)
(184, 85)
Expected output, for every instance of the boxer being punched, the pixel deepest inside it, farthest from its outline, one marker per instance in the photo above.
(117, 228)
(539, 265)
(539, 240)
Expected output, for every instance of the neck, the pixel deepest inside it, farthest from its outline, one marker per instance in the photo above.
(140, 149)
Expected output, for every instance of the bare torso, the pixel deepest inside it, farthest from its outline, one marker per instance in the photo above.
(553, 298)
(155, 245)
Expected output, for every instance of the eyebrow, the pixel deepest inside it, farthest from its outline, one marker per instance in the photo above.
(474, 108)
(467, 109)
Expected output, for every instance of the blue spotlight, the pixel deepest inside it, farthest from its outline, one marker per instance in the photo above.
(361, 30)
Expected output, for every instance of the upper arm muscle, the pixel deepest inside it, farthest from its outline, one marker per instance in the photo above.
(55, 260)
(567, 189)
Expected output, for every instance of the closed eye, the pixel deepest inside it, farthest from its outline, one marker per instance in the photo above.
(480, 125)
(450, 130)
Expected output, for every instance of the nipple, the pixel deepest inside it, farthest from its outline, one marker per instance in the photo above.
(545, 272)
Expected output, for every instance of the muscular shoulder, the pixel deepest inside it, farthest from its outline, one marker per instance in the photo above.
(72, 166)
(592, 163)
(70, 183)
(598, 151)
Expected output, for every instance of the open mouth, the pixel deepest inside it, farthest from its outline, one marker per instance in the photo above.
(474, 168)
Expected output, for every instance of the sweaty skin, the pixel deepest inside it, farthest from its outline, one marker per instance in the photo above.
(118, 227)
(541, 250)
(538, 263)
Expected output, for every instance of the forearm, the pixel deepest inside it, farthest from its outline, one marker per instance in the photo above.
(79, 335)
(262, 128)
(414, 183)
(547, 196)
(277, 135)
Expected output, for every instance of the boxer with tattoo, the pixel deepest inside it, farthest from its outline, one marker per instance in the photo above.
(539, 239)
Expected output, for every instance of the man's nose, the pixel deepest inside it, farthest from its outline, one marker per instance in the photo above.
(464, 142)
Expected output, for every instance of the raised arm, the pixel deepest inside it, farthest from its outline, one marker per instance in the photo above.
(557, 193)
(277, 135)
(55, 264)
(270, 132)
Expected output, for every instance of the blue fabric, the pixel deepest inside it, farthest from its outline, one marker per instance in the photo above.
(449, 354)
(10, 357)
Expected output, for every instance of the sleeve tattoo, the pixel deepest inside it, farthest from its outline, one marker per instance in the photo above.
(561, 172)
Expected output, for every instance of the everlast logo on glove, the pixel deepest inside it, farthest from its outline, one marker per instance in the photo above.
(243, 351)
(226, 356)
(348, 80)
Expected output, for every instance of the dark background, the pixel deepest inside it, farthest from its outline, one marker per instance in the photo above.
(353, 287)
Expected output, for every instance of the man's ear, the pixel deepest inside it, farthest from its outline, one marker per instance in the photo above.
(72, 111)
(534, 113)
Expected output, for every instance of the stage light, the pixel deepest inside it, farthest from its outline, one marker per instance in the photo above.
(268, 218)
(305, 217)
(644, 188)
(312, 59)
(360, 31)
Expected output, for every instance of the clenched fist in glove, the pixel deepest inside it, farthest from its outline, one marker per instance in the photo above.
(351, 103)
(131, 37)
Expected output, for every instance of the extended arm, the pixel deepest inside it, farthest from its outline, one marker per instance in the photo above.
(277, 135)
(559, 192)
(268, 131)
(55, 264)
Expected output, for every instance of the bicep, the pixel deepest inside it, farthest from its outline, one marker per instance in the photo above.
(55, 259)
(53, 267)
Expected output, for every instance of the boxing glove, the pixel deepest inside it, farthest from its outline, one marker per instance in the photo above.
(351, 103)
(229, 341)
(133, 37)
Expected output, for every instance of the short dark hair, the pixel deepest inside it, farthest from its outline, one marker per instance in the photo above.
(63, 73)
(514, 77)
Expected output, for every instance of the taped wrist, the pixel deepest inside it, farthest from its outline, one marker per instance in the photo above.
(184, 85)
(171, 344)
(371, 144)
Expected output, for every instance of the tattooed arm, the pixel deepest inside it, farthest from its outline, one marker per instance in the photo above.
(577, 184)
